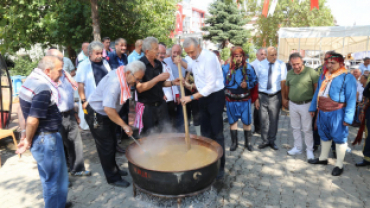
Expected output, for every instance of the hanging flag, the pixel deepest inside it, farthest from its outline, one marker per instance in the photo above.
(314, 3)
(272, 7)
(265, 7)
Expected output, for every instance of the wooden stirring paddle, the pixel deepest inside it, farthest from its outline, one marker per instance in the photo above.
(187, 135)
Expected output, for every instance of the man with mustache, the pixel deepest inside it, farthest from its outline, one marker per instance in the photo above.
(89, 74)
(335, 99)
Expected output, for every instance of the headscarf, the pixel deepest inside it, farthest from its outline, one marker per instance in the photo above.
(125, 90)
(237, 51)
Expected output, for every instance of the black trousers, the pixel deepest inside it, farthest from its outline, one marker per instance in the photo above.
(72, 142)
(155, 118)
(195, 112)
(212, 125)
(172, 113)
(256, 121)
(105, 140)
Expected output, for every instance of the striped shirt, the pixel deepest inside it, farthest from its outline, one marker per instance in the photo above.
(36, 101)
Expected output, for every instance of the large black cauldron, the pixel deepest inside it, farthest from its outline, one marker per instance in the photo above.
(175, 182)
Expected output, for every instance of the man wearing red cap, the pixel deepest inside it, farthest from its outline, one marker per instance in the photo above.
(239, 79)
(335, 99)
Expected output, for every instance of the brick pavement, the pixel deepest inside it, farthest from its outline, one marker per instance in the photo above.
(263, 178)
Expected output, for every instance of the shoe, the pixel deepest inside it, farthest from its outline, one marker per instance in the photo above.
(234, 140)
(121, 183)
(363, 163)
(68, 204)
(315, 148)
(263, 145)
(119, 149)
(294, 151)
(81, 173)
(337, 171)
(310, 155)
(273, 146)
(247, 138)
(316, 161)
(123, 173)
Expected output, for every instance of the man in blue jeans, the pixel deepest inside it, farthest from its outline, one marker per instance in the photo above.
(38, 99)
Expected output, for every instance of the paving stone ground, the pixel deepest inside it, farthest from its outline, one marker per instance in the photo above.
(262, 178)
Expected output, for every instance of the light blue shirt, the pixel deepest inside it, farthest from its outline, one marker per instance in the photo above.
(134, 56)
(364, 68)
(67, 65)
(279, 73)
(107, 94)
(175, 69)
(66, 92)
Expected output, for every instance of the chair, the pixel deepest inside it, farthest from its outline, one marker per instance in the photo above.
(5, 134)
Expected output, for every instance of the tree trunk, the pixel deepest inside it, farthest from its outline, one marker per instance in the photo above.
(95, 20)
(71, 54)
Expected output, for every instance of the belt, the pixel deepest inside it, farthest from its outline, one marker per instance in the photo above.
(270, 95)
(45, 132)
(155, 104)
(66, 112)
(301, 102)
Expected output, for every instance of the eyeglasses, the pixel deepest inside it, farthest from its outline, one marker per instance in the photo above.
(136, 80)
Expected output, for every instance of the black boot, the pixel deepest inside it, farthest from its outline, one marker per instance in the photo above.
(234, 140)
(247, 138)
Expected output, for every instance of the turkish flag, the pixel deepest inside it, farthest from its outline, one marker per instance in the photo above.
(265, 8)
(314, 3)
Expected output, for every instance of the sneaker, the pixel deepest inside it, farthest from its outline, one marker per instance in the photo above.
(294, 151)
(310, 155)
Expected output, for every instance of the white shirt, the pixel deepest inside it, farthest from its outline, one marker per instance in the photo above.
(360, 90)
(279, 73)
(255, 63)
(207, 73)
(107, 94)
(85, 75)
(169, 92)
(364, 68)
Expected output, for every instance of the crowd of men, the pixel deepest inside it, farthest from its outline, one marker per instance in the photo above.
(322, 104)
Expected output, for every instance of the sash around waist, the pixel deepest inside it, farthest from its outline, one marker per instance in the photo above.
(327, 104)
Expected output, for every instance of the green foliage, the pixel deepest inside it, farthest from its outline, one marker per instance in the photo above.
(226, 23)
(249, 49)
(68, 22)
(23, 65)
(225, 54)
(287, 13)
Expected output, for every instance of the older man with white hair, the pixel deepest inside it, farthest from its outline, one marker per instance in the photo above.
(38, 98)
(151, 107)
(102, 116)
(209, 81)
(89, 74)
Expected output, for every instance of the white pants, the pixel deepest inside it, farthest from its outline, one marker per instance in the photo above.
(301, 120)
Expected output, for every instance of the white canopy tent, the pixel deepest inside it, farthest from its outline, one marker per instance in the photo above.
(342, 39)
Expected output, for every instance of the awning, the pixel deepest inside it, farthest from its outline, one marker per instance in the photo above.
(342, 39)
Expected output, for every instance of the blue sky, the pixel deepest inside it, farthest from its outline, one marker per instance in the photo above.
(346, 12)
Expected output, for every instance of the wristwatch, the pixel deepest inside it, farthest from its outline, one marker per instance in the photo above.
(83, 101)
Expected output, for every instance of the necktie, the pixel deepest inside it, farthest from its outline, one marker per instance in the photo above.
(269, 81)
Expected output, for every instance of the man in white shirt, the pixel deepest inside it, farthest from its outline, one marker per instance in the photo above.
(171, 94)
(83, 55)
(261, 55)
(271, 75)
(209, 82)
(365, 67)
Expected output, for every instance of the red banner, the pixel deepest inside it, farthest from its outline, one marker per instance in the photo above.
(265, 8)
(314, 3)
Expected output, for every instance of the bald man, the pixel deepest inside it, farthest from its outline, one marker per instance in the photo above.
(38, 98)
(84, 54)
(69, 129)
(176, 50)
(137, 53)
(271, 75)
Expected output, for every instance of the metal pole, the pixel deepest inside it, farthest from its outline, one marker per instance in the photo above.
(344, 38)
(299, 46)
(367, 48)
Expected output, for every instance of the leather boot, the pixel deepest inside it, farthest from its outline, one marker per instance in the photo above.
(247, 138)
(234, 140)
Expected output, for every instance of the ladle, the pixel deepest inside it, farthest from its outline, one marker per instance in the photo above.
(141, 147)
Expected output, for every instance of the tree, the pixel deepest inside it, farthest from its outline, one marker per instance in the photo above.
(287, 13)
(226, 23)
(95, 20)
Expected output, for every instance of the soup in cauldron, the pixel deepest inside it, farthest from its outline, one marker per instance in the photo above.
(175, 157)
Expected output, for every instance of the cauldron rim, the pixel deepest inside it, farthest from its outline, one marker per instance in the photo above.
(217, 147)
